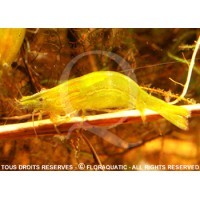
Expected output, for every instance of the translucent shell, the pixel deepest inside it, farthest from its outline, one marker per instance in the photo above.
(101, 91)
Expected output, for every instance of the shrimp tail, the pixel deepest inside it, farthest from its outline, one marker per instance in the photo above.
(177, 115)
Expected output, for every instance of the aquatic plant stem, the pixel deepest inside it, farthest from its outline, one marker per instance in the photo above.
(185, 89)
(46, 127)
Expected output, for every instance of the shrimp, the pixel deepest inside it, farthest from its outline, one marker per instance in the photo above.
(102, 91)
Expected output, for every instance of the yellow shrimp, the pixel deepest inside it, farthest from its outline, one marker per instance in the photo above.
(101, 91)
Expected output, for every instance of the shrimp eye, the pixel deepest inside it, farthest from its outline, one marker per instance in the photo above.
(41, 99)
